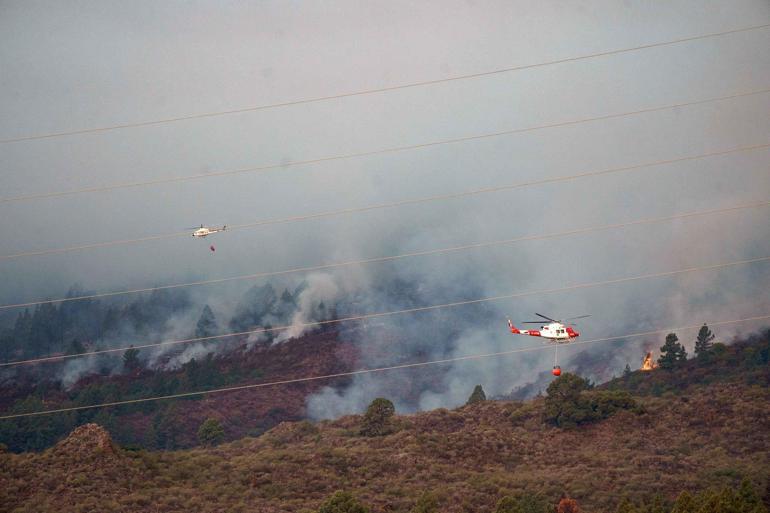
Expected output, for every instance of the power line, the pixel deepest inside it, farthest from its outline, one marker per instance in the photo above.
(382, 151)
(379, 90)
(388, 258)
(371, 371)
(376, 315)
(402, 203)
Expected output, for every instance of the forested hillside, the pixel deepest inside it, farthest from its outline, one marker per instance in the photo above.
(643, 441)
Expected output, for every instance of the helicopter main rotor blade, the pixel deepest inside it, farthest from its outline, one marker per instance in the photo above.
(578, 317)
(545, 317)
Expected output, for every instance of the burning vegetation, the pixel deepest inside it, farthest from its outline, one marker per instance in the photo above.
(648, 364)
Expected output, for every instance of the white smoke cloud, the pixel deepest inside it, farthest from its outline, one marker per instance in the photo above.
(319, 289)
(504, 102)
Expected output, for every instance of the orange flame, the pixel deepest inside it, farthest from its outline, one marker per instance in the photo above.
(648, 363)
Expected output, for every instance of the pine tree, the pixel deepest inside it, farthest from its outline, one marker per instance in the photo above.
(131, 361)
(286, 297)
(256, 305)
(286, 307)
(207, 324)
(22, 328)
(193, 373)
(110, 322)
(209, 375)
(477, 396)
(321, 313)
(166, 427)
(107, 420)
(45, 333)
(268, 332)
(150, 437)
(627, 371)
(672, 353)
(704, 342)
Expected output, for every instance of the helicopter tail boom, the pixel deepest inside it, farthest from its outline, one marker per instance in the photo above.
(517, 331)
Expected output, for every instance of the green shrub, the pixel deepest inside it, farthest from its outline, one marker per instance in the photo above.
(605, 403)
(526, 503)
(378, 419)
(569, 403)
(342, 502)
(210, 432)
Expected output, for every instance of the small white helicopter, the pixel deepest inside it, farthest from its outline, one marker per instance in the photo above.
(205, 231)
(554, 331)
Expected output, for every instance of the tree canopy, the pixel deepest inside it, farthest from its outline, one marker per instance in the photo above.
(704, 342)
(207, 324)
(570, 402)
(131, 361)
(672, 353)
(378, 419)
(211, 432)
(477, 396)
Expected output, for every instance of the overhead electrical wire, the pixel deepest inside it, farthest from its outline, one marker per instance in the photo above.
(380, 206)
(376, 315)
(382, 151)
(379, 90)
(389, 258)
(402, 203)
(373, 370)
(393, 257)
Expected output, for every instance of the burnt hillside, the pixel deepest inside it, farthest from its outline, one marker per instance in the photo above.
(173, 424)
(696, 437)
(745, 361)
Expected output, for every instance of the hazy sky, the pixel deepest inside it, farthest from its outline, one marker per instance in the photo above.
(76, 65)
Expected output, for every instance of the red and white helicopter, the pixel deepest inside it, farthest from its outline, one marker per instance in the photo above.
(554, 331)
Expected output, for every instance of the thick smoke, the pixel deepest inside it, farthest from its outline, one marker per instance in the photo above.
(33, 42)
(314, 303)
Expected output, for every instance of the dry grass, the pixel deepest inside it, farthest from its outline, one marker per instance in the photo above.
(468, 457)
